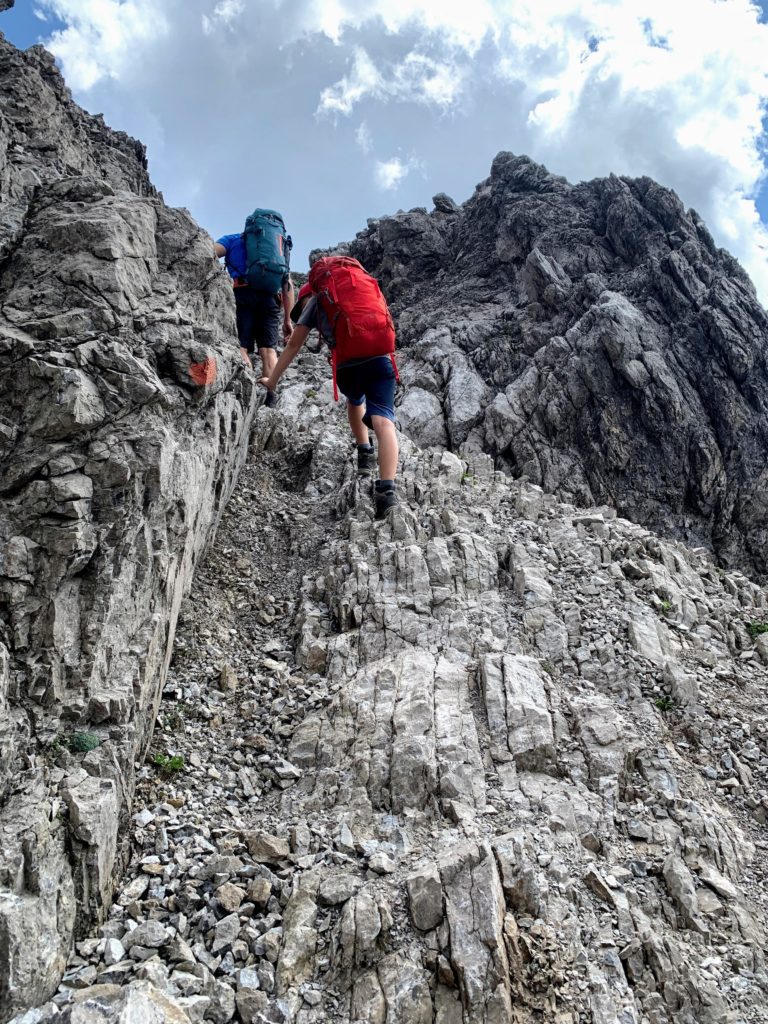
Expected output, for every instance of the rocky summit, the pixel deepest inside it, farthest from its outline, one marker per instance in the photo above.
(500, 758)
(593, 339)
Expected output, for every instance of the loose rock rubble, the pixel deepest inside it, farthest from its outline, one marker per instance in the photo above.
(494, 759)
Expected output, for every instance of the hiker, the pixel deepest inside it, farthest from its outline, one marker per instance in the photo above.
(346, 306)
(258, 261)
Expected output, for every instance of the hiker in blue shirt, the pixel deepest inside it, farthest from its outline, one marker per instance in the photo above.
(258, 310)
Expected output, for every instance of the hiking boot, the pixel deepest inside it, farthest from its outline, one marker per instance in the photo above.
(366, 460)
(271, 400)
(384, 499)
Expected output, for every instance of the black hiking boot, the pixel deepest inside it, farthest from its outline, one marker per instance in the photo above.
(384, 498)
(271, 400)
(366, 460)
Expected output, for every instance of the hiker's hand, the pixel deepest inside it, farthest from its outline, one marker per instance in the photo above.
(287, 330)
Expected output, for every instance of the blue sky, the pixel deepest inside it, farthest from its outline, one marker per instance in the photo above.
(336, 112)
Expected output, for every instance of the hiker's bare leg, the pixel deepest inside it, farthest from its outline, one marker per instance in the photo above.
(386, 435)
(246, 357)
(268, 358)
(355, 415)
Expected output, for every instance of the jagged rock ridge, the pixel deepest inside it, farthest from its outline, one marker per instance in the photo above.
(124, 419)
(592, 338)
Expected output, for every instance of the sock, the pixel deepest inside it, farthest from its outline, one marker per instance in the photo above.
(365, 448)
(385, 485)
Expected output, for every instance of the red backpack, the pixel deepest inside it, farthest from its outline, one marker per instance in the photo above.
(356, 310)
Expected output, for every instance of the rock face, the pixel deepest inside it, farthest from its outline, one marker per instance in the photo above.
(124, 419)
(507, 761)
(594, 340)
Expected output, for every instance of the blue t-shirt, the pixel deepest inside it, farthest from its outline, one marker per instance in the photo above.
(236, 260)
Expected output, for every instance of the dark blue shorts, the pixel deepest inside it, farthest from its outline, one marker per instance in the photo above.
(258, 318)
(372, 382)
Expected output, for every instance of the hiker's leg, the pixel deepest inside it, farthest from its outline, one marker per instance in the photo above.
(389, 450)
(266, 316)
(244, 319)
(355, 415)
(268, 358)
(379, 385)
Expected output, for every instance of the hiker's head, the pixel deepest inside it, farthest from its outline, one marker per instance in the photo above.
(301, 300)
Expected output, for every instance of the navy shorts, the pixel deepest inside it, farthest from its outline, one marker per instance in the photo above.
(258, 318)
(372, 382)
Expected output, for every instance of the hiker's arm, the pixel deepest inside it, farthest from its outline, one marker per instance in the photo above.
(289, 353)
(287, 307)
(219, 250)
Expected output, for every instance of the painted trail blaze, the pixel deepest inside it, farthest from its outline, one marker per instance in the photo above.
(203, 373)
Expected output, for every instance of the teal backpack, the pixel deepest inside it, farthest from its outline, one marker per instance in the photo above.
(268, 250)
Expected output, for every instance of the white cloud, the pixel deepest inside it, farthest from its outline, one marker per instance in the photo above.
(102, 36)
(415, 79)
(675, 89)
(363, 80)
(363, 137)
(463, 25)
(390, 173)
(224, 13)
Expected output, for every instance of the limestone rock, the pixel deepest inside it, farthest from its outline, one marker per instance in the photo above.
(425, 899)
(518, 716)
(562, 832)
(125, 419)
(267, 849)
(109, 1004)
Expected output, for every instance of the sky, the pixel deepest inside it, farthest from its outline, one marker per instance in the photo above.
(334, 111)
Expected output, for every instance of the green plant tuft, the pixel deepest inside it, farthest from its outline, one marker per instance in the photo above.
(169, 763)
(756, 629)
(665, 704)
(82, 742)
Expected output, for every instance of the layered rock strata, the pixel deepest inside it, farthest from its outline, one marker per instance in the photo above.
(124, 415)
(513, 770)
(594, 339)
